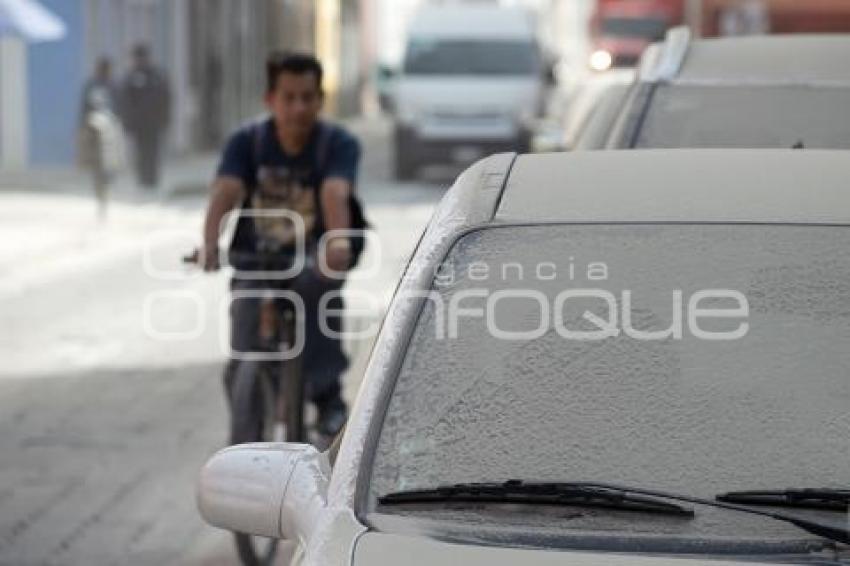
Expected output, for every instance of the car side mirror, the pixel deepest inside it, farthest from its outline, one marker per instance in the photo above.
(274, 490)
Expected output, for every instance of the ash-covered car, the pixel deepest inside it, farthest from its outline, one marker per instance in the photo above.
(592, 358)
(775, 91)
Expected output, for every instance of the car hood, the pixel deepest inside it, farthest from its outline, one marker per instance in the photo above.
(468, 94)
(375, 549)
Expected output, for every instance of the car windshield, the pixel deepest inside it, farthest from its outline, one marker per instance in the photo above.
(697, 359)
(464, 57)
(747, 117)
(652, 29)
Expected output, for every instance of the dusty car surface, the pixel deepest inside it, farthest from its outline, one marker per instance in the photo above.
(741, 92)
(670, 323)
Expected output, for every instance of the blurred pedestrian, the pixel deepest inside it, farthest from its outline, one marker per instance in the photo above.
(101, 142)
(100, 85)
(145, 110)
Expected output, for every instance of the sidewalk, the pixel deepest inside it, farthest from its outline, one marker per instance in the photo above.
(49, 227)
(47, 238)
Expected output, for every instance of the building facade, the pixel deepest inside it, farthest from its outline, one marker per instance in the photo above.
(212, 52)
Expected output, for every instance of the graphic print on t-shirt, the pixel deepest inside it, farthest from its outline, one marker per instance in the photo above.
(282, 188)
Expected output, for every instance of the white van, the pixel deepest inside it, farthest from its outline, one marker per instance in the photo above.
(473, 81)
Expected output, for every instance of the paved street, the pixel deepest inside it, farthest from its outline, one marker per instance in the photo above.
(110, 396)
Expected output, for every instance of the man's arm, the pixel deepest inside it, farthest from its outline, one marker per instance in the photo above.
(336, 191)
(334, 197)
(228, 193)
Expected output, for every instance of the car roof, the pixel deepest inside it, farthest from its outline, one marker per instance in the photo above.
(802, 59)
(453, 21)
(748, 186)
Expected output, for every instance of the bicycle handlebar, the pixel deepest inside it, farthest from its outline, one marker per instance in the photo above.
(259, 258)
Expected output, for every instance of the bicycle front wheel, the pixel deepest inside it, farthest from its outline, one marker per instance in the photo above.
(292, 390)
(253, 419)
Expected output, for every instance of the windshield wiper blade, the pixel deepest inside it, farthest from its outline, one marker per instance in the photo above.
(808, 498)
(833, 532)
(837, 533)
(542, 493)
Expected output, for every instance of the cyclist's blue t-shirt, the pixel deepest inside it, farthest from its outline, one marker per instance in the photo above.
(278, 181)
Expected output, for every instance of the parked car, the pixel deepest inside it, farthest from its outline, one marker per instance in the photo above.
(669, 325)
(465, 91)
(586, 115)
(757, 92)
(594, 109)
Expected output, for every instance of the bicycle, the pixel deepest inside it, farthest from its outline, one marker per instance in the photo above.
(266, 392)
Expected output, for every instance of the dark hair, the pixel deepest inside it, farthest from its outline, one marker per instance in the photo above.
(280, 62)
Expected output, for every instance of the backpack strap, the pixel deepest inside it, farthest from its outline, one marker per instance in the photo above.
(323, 146)
(256, 145)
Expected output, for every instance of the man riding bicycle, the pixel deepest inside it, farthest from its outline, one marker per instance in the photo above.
(290, 164)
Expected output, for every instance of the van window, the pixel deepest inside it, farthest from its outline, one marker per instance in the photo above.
(467, 57)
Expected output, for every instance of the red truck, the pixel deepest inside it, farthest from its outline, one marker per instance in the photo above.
(622, 29)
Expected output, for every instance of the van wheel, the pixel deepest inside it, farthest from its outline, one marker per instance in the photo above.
(523, 142)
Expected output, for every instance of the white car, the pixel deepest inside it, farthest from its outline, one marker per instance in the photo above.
(585, 352)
